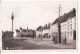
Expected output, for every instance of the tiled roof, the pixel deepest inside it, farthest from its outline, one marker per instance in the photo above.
(46, 27)
(8, 31)
(66, 16)
(40, 27)
(17, 30)
(24, 30)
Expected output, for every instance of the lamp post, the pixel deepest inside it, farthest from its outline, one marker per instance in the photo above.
(12, 17)
(59, 27)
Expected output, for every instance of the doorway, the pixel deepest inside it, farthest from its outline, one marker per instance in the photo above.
(74, 36)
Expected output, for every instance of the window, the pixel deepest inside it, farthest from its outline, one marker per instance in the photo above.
(68, 27)
(62, 34)
(71, 20)
(75, 19)
(65, 26)
(62, 27)
(65, 33)
(74, 25)
(68, 21)
(70, 33)
(71, 26)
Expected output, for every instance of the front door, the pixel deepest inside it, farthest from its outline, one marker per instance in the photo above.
(74, 37)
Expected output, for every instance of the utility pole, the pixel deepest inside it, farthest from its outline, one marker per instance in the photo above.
(12, 17)
(59, 27)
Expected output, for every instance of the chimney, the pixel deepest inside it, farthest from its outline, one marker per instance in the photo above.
(27, 27)
(46, 24)
(20, 28)
(49, 24)
(74, 10)
(2, 32)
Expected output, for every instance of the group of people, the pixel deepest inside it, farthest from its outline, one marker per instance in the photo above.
(56, 39)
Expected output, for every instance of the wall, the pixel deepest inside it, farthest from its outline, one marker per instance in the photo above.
(18, 34)
(39, 32)
(63, 30)
(46, 31)
(71, 28)
(54, 30)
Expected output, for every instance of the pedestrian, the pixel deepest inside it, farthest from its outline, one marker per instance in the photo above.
(53, 38)
(56, 39)
(65, 40)
(41, 37)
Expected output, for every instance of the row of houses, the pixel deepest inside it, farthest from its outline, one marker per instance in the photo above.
(67, 26)
(43, 31)
(25, 32)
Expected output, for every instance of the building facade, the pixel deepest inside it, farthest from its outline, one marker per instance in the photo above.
(46, 31)
(7, 34)
(67, 26)
(71, 28)
(18, 33)
(25, 33)
(54, 30)
(39, 31)
(43, 31)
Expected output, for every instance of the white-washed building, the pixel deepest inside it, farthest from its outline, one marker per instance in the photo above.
(43, 31)
(53, 30)
(18, 33)
(39, 31)
(71, 28)
(46, 31)
(67, 26)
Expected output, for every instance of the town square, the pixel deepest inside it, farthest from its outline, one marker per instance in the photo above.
(39, 25)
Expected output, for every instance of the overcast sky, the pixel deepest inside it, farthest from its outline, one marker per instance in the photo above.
(31, 14)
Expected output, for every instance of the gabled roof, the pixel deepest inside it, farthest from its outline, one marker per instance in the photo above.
(40, 27)
(24, 30)
(8, 32)
(46, 27)
(17, 30)
(66, 16)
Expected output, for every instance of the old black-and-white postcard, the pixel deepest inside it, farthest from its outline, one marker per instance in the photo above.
(41, 25)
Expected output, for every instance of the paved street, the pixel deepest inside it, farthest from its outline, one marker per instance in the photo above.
(49, 42)
(36, 43)
(27, 45)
